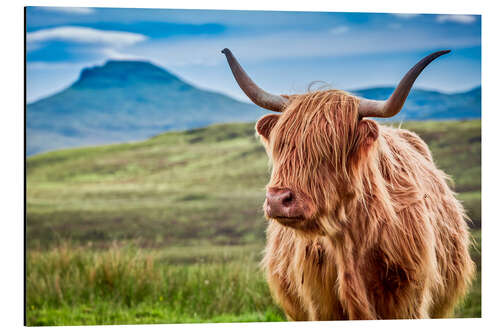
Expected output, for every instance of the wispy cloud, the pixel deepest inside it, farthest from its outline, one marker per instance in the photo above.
(405, 15)
(339, 30)
(86, 36)
(70, 10)
(463, 19)
(111, 53)
(43, 65)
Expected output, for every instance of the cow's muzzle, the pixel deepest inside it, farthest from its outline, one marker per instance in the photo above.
(286, 206)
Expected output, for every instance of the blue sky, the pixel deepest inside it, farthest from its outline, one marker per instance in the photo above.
(283, 51)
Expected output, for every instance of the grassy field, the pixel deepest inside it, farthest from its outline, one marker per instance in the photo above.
(74, 285)
(78, 285)
(170, 229)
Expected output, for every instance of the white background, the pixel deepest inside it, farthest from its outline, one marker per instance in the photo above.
(12, 162)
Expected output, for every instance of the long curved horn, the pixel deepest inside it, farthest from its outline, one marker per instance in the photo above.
(256, 94)
(391, 106)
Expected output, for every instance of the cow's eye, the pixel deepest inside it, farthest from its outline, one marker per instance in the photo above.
(266, 124)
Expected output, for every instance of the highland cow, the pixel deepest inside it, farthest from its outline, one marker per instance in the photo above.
(362, 224)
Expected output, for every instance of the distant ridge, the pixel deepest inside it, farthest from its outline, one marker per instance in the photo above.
(132, 100)
(125, 101)
(432, 105)
(124, 73)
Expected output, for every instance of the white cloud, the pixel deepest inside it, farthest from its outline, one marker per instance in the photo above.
(463, 19)
(85, 36)
(111, 53)
(405, 15)
(70, 10)
(43, 65)
(339, 30)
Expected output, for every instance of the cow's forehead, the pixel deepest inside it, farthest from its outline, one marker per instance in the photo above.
(318, 101)
(315, 122)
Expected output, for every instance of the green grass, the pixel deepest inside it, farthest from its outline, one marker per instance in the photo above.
(124, 284)
(184, 208)
(471, 305)
(75, 285)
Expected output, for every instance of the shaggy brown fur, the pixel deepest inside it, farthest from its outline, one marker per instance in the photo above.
(385, 237)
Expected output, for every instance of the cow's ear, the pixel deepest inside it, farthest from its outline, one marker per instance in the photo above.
(367, 134)
(266, 124)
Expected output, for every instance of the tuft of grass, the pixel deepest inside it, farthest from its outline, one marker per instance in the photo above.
(123, 284)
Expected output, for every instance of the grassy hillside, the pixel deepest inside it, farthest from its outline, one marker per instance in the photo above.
(200, 186)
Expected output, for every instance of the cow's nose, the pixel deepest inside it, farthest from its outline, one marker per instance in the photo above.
(282, 203)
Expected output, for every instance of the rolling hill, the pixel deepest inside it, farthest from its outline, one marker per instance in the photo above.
(124, 101)
(201, 186)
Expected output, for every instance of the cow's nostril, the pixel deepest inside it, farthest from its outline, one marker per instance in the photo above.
(282, 203)
(287, 199)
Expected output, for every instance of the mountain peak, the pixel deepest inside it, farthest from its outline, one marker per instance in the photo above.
(116, 73)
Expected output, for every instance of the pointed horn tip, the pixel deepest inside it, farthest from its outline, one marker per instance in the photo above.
(442, 52)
